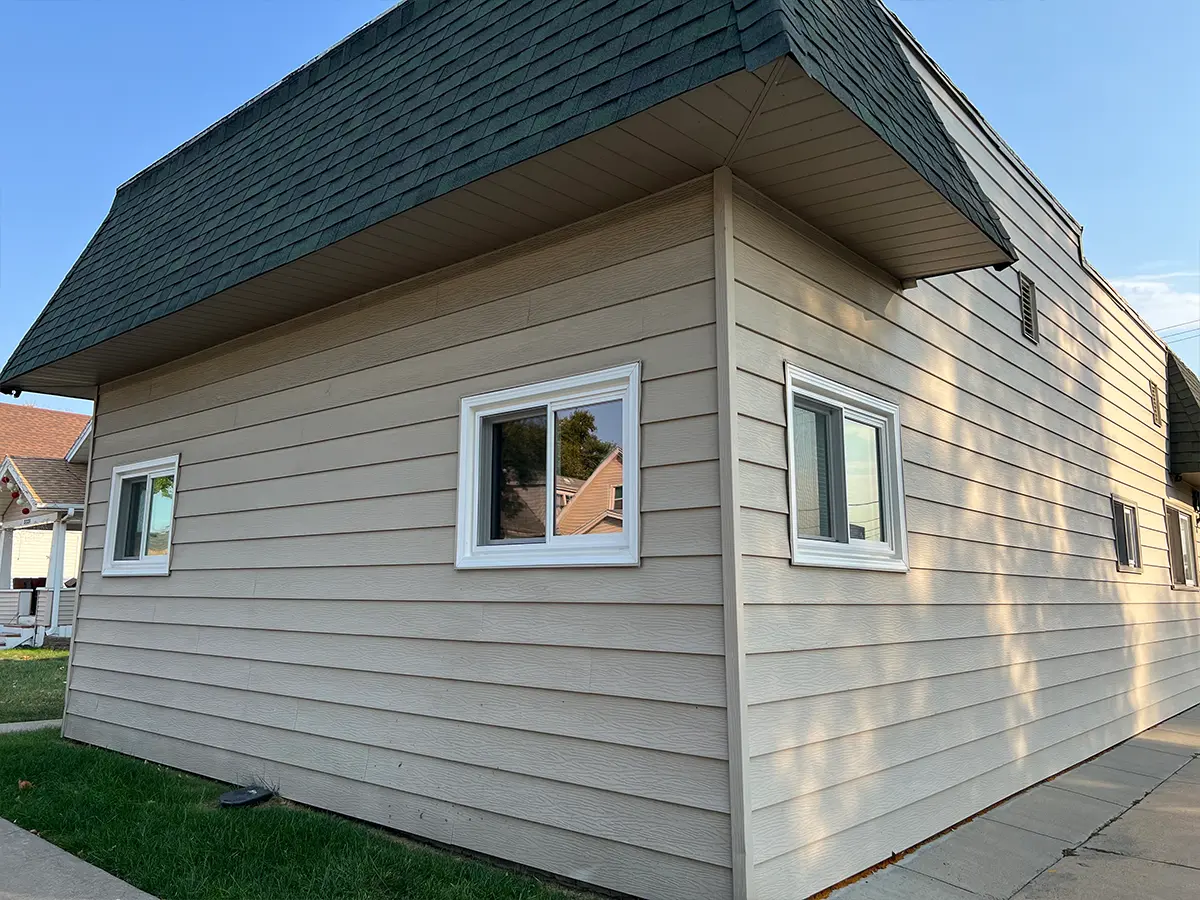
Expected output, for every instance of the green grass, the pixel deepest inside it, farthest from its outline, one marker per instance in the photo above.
(162, 831)
(32, 684)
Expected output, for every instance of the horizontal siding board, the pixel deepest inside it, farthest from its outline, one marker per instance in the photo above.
(680, 629)
(667, 580)
(777, 581)
(786, 724)
(673, 677)
(817, 765)
(911, 781)
(886, 704)
(313, 591)
(685, 532)
(774, 627)
(990, 437)
(767, 246)
(819, 863)
(657, 223)
(618, 817)
(785, 674)
(971, 394)
(341, 404)
(653, 725)
(597, 861)
(274, 387)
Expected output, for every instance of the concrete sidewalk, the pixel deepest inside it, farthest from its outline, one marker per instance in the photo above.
(13, 727)
(35, 869)
(1125, 824)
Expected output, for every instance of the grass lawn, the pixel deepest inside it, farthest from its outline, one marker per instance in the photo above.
(162, 831)
(32, 684)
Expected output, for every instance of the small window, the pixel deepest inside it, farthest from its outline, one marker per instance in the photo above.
(1129, 542)
(846, 496)
(1155, 405)
(1181, 545)
(544, 472)
(141, 513)
(1029, 311)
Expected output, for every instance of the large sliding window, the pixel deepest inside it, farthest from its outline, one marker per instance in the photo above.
(548, 473)
(846, 494)
(141, 513)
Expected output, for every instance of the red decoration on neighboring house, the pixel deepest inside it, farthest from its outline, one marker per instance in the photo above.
(25, 511)
(4, 479)
(16, 494)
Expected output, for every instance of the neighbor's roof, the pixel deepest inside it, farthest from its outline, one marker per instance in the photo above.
(52, 482)
(31, 431)
(433, 95)
(1183, 416)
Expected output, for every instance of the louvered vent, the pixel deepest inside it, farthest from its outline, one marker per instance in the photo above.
(1155, 405)
(1029, 314)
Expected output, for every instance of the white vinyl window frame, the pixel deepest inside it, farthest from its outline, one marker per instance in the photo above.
(848, 404)
(1127, 535)
(612, 549)
(144, 564)
(1181, 545)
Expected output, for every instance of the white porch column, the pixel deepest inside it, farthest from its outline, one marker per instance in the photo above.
(7, 537)
(58, 551)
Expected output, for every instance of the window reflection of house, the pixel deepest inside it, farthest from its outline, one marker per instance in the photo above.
(591, 510)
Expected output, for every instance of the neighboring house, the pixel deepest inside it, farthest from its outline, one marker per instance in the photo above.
(42, 477)
(894, 537)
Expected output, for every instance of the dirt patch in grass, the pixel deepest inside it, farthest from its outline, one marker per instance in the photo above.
(162, 831)
(32, 684)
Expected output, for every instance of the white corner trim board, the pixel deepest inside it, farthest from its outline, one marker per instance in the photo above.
(477, 544)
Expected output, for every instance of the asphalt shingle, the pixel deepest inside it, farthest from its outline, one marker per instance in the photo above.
(433, 95)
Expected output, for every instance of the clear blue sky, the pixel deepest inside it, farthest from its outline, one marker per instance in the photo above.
(1100, 97)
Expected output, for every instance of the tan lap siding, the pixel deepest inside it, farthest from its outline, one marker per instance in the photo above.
(313, 629)
(885, 707)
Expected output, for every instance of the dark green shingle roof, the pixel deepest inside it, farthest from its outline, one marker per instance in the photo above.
(1183, 416)
(433, 95)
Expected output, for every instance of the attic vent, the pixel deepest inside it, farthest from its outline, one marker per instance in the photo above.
(1155, 406)
(1029, 314)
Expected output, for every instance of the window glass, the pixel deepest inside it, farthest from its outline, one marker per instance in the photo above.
(542, 473)
(1181, 547)
(863, 482)
(130, 518)
(588, 462)
(1187, 545)
(162, 505)
(811, 445)
(1133, 551)
(517, 502)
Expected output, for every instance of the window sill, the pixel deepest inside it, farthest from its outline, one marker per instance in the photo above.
(1185, 587)
(1129, 570)
(111, 571)
(526, 557)
(848, 559)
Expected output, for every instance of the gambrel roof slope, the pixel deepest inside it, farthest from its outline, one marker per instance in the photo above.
(433, 95)
(1183, 416)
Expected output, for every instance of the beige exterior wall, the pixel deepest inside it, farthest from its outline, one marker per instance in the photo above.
(885, 707)
(314, 630)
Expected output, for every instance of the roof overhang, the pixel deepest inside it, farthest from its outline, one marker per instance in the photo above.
(814, 105)
(777, 129)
